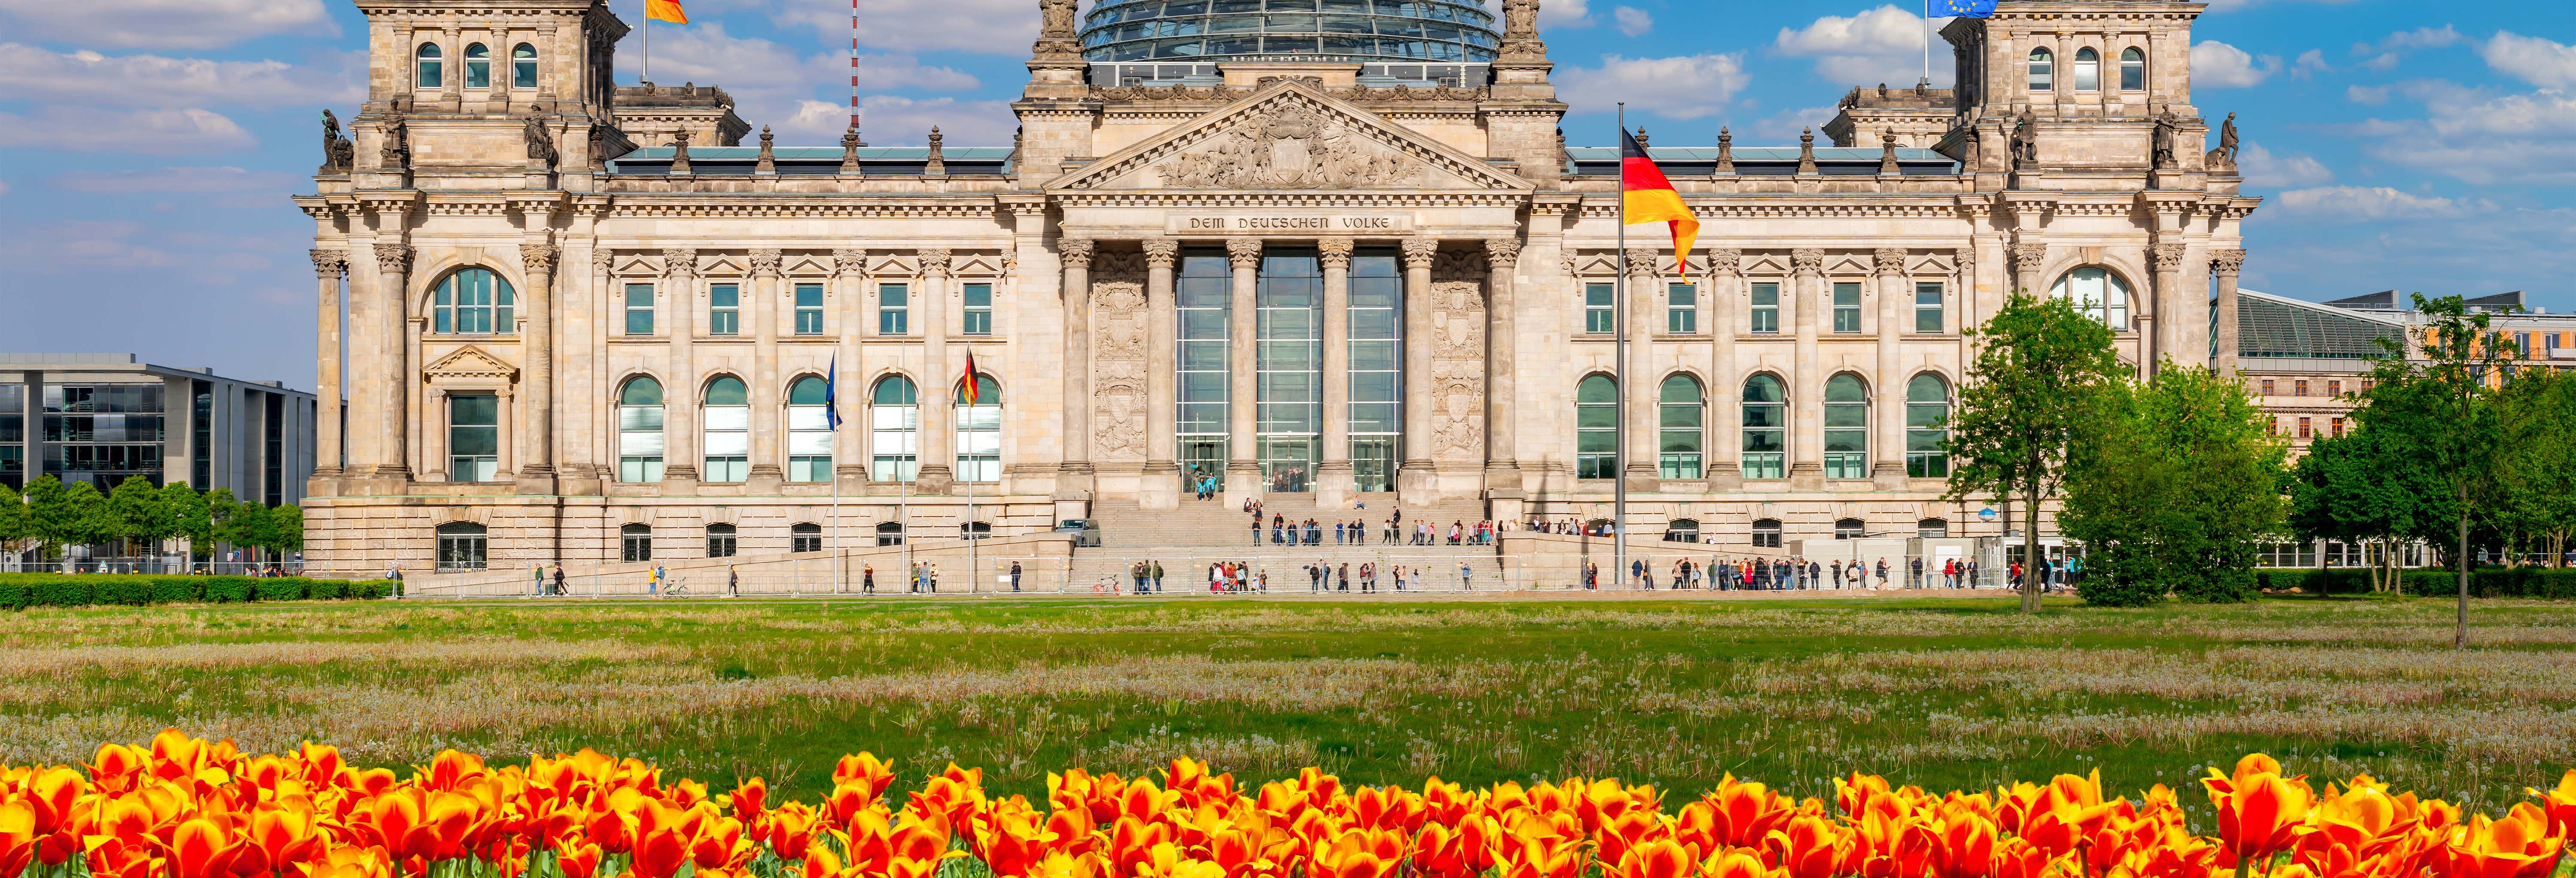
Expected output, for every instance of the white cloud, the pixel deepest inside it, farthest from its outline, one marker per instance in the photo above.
(174, 180)
(2531, 59)
(1565, 13)
(2422, 38)
(145, 131)
(87, 77)
(1684, 87)
(2262, 168)
(1633, 21)
(2354, 204)
(895, 120)
(1882, 45)
(1784, 127)
(2483, 138)
(770, 84)
(1004, 27)
(2313, 62)
(2218, 65)
(167, 24)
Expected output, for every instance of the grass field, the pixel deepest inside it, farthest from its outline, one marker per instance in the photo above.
(1944, 693)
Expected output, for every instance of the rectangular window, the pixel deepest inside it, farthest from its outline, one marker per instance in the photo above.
(896, 443)
(1927, 308)
(2299, 388)
(2337, 426)
(1600, 314)
(2522, 344)
(1681, 309)
(894, 303)
(1202, 300)
(1376, 367)
(809, 309)
(639, 309)
(1846, 307)
(2334, 388)
(2267, 387)
(473, 437)
(979, 309)
(2304, 431)
(724, 310)
(1766, 308)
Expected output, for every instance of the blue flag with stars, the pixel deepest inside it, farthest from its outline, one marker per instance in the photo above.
(832, 394)
(1960, 8)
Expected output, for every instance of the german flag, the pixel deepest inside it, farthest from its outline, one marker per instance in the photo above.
(666, 10)
(1645, 196)
(967, 393)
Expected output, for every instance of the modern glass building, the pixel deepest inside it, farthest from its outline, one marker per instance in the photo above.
(100, 418)
(1413, 32)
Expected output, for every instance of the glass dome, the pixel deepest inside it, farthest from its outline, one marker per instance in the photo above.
(1357, 30)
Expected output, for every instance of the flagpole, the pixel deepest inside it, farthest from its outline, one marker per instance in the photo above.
(832, 418)
(974, 574)
(646, 74)
(1619, 317)
(1927, 43)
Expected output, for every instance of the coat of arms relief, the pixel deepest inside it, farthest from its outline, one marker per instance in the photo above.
(1291, 147)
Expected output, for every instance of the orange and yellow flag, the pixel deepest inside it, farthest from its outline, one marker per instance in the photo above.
(666, 10)
(1647, 197)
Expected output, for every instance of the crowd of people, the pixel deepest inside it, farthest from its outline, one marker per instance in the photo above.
(1357, 532)
(1790, 574)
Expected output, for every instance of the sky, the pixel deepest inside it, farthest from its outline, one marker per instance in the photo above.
(148, 147)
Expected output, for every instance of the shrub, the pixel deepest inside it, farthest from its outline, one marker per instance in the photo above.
(283, 588)
(326, 589)
(132, 591)
(174, 589)
(13, 594)
(228, 589)
(63, 591)
(369, 589)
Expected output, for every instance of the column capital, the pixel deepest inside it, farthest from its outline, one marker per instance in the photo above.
(1890, 260)
(2028, 257)
(849, 262)
(538, 258)
(329, 264)
(1726, 261)
(934, 261)
(393, 258)
(1243, 252)
(601, 259)
(1641, 261)
(2165, 258)
(1807, 262)
(1161, 252)
(680, 261)
(1336, 251)
(764, 262)
(2227, 262)
(1504, 253)
(1966, 257)
(1076, 252)
(1418, 252)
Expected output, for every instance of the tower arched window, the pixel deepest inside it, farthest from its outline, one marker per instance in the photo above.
(2088, 70)
(1927, 427)
(2098, 293)
(473, 301)
(639, 430)
(428, 66)
(478, 66)
(523, 66)
(2043, 70)
(1596, 428)
(979, 431)
(2133, 70)
(1846, 428)
(1678, 433)
(894, 426)
(809, 431)
(726, 416)
(1766, 428)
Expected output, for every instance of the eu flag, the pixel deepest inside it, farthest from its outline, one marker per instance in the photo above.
(1960, 8)
(832, 394)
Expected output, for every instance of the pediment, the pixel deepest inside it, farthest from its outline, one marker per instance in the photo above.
(1289, 135)
(470, 363)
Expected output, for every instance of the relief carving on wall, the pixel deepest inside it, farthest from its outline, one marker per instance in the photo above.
(1458, 357)
(1291, 147)
(1118, 357)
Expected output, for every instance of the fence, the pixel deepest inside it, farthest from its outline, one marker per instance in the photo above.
(173, 564)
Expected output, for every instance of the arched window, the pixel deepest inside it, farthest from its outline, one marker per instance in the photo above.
(2133, 70)
(635, 543)
(2088, 70)
(1681, 530)
(805, 538)
(809, 431)
(726, 417)
(1846, 428)
(2098, 293)
(427, 66)
(473, 301)
(1927, 427)
(1933, 528)
(1766, 428)
(1679, 434)
(639, 430)
(890, 533)
(1596, 428)
(979, 431)
(2043, 70)
(523, 66)
(894, 420)
(478, 66)
(461, 546)
(1850, 529)
(720, 541)
(1766, 533)
(975, 530)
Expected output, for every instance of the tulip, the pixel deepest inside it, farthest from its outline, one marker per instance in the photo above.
(2259, 812)
(17, 837)
(2518, 846)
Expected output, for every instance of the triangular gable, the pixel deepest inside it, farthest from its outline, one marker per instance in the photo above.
(470, 363)
(638, 265)
(1289, 135)
(807, 265)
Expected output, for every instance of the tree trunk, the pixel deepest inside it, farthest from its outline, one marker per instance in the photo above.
(2460, 635)
(2030, 550)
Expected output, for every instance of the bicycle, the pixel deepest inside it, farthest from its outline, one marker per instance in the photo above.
(673, 586)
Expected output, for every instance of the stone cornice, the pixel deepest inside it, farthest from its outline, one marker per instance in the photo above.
(1189, 198)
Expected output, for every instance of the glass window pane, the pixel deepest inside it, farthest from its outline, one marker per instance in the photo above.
(728, 418)
(648, 444)
(809, 442)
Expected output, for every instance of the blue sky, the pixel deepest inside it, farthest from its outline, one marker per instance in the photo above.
(147, 146)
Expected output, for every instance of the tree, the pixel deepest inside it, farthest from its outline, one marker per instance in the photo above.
(15, 522)
(68, 515)
(286, 529)
(140, 517)
(190, 518)
(249, 526)
(2040, 368)
(220, 509)
(2357, 489)
(2536, 485)
(2173, 490)
(2439, 411)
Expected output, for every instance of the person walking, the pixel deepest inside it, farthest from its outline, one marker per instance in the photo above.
(1346, 576)
(1015, 576)
(539, 589)
(867, 579)
(1882, 574)
(1637, 571)
(653, 581)
(1591, 576)
(559, 580)
(1467, 576)
(733, 581)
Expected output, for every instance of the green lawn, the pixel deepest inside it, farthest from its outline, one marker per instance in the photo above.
(1945, 693)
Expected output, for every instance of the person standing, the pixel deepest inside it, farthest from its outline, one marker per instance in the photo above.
(539, 589)
(1136, 576)
(1015, 576)
(1591, 576)
(1154, 573)
(1467, 576)
(867, 579)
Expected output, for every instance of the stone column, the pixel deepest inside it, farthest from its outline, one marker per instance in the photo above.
(2027, 259)
(938, 381)
(680, 391)
(1637, 375)
(1503, 485)
(2061, 73)
(2174, 319)
(768, 403)
(1162, 487)
(1243, 463)
(1887, 410)
(850, 373)
(389, 424)
(505, 422)
(433, 466)
(2226, 264)
(1719, 440)
(1414, 480)
(599, 406)
(1075, 255)
(1806, 382)
(1333, 475)
(536, 462)
(328, 266)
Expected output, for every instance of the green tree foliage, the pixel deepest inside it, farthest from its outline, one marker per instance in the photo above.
(286, 529)
(2439, 409)
(190, 518)
(15, 521)
(2173, 490)
(2357, 488)
(2535, 488)
(247, 525)
(140, 516)
(2041, 367)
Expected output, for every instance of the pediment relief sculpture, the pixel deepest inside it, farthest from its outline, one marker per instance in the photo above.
(1293, 147)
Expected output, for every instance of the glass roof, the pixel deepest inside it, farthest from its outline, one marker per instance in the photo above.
(1390, 30)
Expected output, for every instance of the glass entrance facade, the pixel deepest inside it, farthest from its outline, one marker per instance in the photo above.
(1376, 368)
(1290, 296)
(1199, 292)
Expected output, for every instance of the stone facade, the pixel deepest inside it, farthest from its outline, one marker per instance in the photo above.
(1084, 267)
